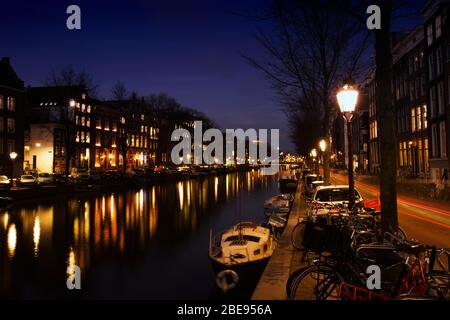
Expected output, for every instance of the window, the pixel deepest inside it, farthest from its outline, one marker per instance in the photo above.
(83, 121)
(99, 124)
(401, 153)
(11, 146)
(420, 154)
(431, 66)
(83, 108)
(438, 26)
(433, 102)
(397, 88)
(88, 137)
(88, 109)
(11, 125)
(424, 117)
(114, 126)
(419, 118)
(1, 124)
(2, 98)
(443, 139)
(434, 141)
(373, 130)
(413, 120)
(430, 34)
(439, 61)
(440, 97)
(11, 103)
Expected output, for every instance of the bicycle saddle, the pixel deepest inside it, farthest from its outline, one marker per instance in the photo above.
(411, 248)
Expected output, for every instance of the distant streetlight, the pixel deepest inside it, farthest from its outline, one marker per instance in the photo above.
(313, 154)
(322, 145)
(13, 155)
(347, 98)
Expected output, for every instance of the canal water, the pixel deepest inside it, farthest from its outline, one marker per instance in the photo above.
(149, 243)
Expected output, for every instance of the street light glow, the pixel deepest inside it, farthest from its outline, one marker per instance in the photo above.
(13, 155)
(323, 145)
(314, 153)
(347, 99)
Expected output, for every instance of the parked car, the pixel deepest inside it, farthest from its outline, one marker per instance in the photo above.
(59, 178)
(44, 178)
(327, 196)
(5, 182)
(80, 173)
(27, 180)
(310, 189)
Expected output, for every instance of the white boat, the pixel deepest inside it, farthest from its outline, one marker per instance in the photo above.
(280, 204)
(277, 221)
(243, 245)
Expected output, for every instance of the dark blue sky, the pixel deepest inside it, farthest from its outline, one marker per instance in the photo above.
(188, 49)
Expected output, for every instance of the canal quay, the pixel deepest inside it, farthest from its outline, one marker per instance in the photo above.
(146, 242)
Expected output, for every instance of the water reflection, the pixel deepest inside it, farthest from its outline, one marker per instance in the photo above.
(118, 230)
(12, 240)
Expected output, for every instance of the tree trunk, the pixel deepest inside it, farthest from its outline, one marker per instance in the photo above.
(386, 119)
(326, 133)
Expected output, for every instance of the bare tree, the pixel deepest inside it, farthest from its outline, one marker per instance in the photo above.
(68, 76)
(119, 91)
(312, 49)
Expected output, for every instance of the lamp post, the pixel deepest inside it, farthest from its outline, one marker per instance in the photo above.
(323, 147)
(314, 156)
(13, 155)
(347, 98)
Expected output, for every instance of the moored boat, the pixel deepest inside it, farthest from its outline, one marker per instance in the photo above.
(288, 182)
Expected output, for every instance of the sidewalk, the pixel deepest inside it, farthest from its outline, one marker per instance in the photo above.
(285, 259)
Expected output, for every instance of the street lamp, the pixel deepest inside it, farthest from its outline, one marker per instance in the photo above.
(13, 155)
(347, 98)
(322, 145)
(314, 155)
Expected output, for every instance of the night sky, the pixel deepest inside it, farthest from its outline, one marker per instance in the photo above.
(191, 50)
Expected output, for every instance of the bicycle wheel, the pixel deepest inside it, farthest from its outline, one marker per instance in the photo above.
(438, 286)
(401, 234)
(316, 283)
(297, 235)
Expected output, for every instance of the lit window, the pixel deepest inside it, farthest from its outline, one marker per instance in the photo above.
(438, 26)
(11, 125)
(11, 103)
(430, 34)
